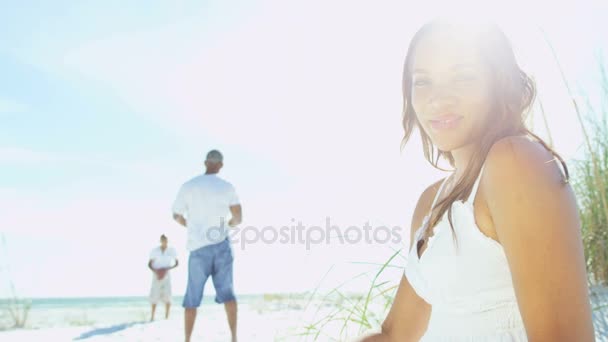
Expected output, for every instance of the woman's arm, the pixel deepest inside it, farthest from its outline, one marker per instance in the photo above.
(535, 216)
(407, 319)
(409, 315)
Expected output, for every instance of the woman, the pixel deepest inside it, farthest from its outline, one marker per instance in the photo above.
(496, 251)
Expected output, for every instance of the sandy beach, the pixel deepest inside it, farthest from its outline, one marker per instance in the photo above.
(271, 317)
(261, 318)
(210, 326)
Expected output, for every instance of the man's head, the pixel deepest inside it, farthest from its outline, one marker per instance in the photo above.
(163, 241)
(214, 161)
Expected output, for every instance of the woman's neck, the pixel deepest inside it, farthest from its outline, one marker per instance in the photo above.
(462, 156)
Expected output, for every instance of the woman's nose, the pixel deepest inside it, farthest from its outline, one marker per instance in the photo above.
(442, 96)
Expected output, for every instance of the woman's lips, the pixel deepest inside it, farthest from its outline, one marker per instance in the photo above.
(445, 122)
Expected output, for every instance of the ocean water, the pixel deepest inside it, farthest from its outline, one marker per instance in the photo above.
(96, 302)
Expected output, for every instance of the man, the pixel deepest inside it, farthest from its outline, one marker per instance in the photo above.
(162, 259)
(202, 206)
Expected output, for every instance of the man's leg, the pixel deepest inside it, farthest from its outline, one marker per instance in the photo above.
(198, 271)
(168, 295)
(189, 318)
(222, 281)
(231, 309)
(154, 295)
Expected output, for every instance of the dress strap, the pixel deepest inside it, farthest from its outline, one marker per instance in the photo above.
(476, 185)
(438, 193)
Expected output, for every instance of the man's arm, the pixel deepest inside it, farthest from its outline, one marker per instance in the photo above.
(180, 219)
(180, 206)
(150, 265)
(237, 215)
(176, 264)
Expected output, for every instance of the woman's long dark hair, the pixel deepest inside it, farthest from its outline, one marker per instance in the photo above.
(513, 92)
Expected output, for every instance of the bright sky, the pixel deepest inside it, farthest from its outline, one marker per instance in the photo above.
(106, 108)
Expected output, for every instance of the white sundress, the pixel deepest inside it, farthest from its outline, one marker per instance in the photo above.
(468, 284)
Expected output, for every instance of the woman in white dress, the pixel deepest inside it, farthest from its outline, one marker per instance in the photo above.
(496, 252)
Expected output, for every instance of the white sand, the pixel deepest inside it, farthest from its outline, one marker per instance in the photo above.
(276, 318)
(252, 326)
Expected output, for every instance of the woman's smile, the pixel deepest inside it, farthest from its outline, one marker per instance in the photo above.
(445, 122)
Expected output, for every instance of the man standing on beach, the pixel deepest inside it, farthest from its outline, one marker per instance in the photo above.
(162, 259)
(202, 206)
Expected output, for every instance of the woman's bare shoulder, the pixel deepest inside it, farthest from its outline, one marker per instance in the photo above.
(428, 195)
(424, 205)
(517, 160)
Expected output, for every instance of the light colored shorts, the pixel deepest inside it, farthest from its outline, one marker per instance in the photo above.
(215, 261)
(161, 289)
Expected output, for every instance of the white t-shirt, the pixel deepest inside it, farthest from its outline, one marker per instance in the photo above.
(162, 259)
(205, 203)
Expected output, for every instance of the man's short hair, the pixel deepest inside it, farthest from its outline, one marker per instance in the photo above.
(163, 237)
(215, 156)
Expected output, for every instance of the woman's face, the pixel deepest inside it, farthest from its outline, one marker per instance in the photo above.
(450, 90)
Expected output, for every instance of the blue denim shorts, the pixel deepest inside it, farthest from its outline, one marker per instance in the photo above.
(216, 261)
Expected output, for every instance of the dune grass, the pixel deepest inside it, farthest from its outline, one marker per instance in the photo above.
(340, 316)
(590, 184)
(590, 178)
